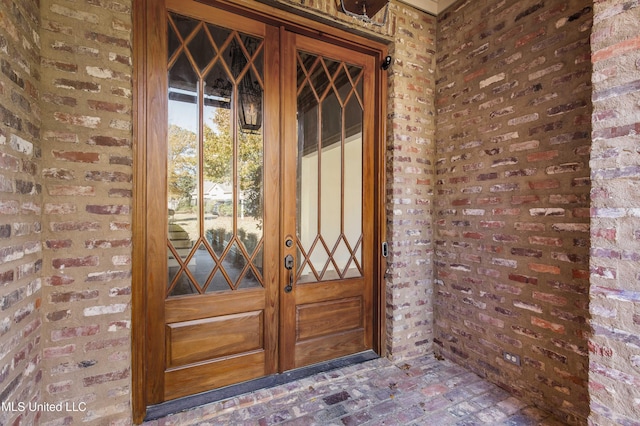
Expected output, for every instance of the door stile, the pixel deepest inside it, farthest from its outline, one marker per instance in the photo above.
(368, 201)
(156, 145)
(289, 188)
(139, 372)
(272, 199)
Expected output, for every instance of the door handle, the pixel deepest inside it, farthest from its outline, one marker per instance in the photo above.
(288, 264)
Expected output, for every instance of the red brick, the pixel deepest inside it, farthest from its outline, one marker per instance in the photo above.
(557, 328)
(616, 49)
(542, 156)
(81, 157)
(106, 378)
(59, 351)
(58, 244)
(548, 241)
(549, 269)
(523, 279)
(75, 262)
(74, 332)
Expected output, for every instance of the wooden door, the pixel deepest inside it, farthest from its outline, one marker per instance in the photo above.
(214, 241)
(328, 201)
(259, 219)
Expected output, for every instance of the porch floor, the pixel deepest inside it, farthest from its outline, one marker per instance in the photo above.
(421, 391)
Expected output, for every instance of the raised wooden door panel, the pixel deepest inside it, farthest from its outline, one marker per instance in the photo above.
(213, 272)
(329, 200)
(202, 353)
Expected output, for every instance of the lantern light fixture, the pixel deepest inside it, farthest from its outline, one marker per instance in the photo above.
(365, 10)
(250, 97)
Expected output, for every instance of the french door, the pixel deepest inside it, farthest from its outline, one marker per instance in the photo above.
(260, 196)
(327, 206)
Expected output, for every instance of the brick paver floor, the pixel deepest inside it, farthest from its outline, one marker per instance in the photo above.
(422, 391)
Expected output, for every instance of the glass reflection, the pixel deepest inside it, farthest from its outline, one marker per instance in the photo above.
(214, 174)
(218, 160)
(183, 169)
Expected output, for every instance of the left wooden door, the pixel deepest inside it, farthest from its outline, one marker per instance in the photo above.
(212, 199)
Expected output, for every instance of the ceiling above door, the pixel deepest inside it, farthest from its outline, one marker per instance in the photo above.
(431, 6)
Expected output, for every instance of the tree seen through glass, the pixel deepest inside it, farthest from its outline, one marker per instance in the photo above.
(214, 179)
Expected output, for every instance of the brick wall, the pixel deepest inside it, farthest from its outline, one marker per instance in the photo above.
(512, 192)
(614, 372)
(410, 151)
(20, 207)
(87, 171)
(86, 180)
(512, 196)
(410, 171)
(86, 89)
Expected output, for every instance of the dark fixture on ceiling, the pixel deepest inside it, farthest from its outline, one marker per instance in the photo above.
(365, 10)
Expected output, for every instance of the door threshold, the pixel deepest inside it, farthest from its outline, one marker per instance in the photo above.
(174, 406)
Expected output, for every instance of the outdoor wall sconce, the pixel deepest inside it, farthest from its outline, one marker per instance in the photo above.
(365, 10)
(386, 63)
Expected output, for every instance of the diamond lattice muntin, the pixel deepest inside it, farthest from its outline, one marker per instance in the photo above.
(329, 187)
(214, 171)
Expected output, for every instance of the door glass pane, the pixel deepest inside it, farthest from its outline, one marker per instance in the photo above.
(201, 265)
(306, 64)
(331, 178)
(173, 41)
(215, 159)
(218, 159)
(218, 283)
(319, 79)
(183, 171)
(249, 207)
(257, 264)
(185, 25)
(354, 268)
(353, 192)
(234, 263)
(332, 66)
(219, 35)
(307, 182)
(183, 286)
(201, 49)
(329, 222)
(249, 280)
(235, 58)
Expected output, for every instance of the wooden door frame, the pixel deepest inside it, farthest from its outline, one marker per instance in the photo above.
(143, 22)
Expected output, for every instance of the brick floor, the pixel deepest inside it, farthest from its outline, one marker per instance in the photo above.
(422, 391)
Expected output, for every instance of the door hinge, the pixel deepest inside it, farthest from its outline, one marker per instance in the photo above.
(385, 249)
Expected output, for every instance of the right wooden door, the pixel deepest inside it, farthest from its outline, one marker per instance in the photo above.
(328, 201)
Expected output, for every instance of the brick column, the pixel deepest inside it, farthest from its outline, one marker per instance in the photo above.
(20, 209)
(87, 159)
(614, 359)
(410, 171)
